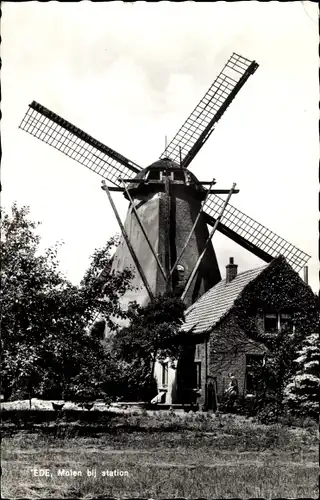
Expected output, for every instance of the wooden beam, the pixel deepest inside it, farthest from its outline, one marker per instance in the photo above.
(207, 183)
(167, 249)
(222, 191)
(127, 240)
(196, 267)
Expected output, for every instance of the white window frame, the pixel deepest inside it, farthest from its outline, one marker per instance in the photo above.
(164, 374)
(273, 315)
(198, 374)
(278, 316)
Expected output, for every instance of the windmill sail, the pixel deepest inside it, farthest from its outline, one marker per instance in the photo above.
(252, 235)
(200, 124)
(73, 142)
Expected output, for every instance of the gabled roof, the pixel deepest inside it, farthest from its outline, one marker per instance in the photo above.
(209, 310)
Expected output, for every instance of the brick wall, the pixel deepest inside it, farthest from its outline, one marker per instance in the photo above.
(227, 348)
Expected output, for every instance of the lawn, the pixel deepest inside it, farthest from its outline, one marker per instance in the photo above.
(163, 456)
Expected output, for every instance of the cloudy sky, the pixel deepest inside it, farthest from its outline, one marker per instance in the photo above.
(129, 74)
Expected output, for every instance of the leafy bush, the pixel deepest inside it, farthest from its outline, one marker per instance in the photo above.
(270, 412)
(153, 334)
(46, 349)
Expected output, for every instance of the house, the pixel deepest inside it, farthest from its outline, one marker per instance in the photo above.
(226, 327)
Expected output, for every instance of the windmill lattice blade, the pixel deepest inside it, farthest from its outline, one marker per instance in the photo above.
(200, 124)
(254, 236)
(73, 142)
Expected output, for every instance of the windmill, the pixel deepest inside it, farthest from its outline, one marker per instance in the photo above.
(165, 235)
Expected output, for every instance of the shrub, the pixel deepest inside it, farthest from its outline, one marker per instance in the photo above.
(302, 392)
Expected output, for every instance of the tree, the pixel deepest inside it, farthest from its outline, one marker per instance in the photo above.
(153, 334)
(23, 276)
(280, 384)
(302, 392)
(46, 349)
(103, 288)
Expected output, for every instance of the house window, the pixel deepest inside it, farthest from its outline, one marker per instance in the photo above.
(270, 322)
(196, 375)
(179, 175)
(274, 322)
(253, 364)
(153, 174)
(181, 273)
(164, 378)
(286, 321)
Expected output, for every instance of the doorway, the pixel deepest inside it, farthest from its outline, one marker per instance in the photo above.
(212, 400)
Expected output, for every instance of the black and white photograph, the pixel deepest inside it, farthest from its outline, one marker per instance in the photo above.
(159, 250)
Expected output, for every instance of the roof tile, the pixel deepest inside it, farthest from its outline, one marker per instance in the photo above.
(207, 311)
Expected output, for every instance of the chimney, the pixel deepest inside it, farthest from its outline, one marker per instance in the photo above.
(305, 274)
(231, 270)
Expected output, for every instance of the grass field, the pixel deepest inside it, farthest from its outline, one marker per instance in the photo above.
(165, 456)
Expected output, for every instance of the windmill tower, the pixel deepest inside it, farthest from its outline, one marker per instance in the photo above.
(166, 201)
(165, 235)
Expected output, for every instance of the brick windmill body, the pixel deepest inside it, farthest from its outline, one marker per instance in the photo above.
(165, 235)
(168, 200)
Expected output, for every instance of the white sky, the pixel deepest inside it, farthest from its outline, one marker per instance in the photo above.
(129, 74)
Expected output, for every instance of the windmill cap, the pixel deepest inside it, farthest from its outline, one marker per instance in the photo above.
(165, 164)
